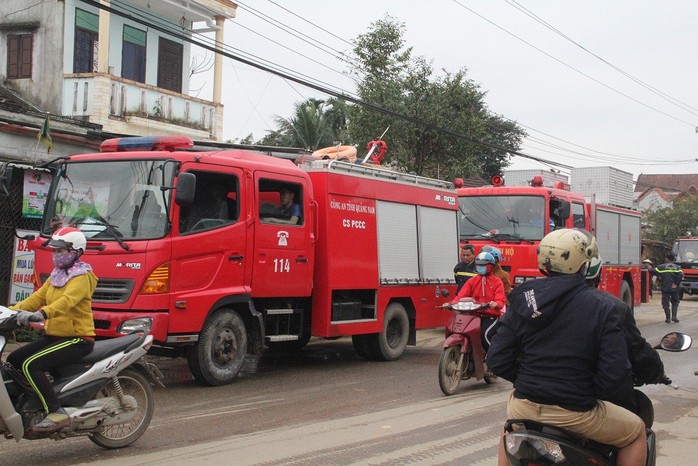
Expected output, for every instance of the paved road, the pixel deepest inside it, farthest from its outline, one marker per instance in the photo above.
(329, 407)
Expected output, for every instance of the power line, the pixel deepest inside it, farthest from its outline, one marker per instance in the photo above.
(692, 125)
(311, 23)
(298, 34)
(319, 88)
(682, 105)
(295, 51)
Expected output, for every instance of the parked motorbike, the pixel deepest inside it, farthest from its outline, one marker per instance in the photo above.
(530, 443)
(107, 394)
(463, 356)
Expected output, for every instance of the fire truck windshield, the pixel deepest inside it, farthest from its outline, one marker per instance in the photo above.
(111, 200)
(504, 218)
(686, 250)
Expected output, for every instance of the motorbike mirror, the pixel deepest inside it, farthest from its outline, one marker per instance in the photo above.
(676, 342)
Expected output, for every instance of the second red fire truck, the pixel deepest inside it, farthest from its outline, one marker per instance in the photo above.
(221, 253)
(516, 218)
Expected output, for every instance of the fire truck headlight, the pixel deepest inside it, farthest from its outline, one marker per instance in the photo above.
(141, 324)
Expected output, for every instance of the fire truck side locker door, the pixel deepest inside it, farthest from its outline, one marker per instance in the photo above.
(398, 254)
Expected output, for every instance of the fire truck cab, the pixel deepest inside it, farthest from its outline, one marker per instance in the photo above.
(516, 218)
(686, 256)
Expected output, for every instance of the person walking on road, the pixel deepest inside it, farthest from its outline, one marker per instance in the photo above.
(465, 269)
(670, 276)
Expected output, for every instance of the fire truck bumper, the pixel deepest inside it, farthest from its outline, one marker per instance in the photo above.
(116, 324)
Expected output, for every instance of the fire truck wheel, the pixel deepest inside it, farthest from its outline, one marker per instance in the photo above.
(217, 357)
(625, 294)
(392, 341)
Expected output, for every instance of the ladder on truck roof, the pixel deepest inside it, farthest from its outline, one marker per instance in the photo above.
(373, 172)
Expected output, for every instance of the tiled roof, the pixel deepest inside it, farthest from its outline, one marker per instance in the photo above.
(660, 192)
(667, 182)
(12, 101)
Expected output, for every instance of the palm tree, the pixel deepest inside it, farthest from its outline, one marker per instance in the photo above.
(315, 123)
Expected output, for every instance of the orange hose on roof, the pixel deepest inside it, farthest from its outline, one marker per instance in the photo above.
(347, 153)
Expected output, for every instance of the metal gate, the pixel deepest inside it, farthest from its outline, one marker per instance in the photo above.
(11, 218)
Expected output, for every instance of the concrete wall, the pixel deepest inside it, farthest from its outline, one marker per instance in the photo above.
(45, 88)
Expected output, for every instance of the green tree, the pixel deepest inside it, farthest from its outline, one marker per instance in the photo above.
(673, 222)
(389, 77)
(314, 124)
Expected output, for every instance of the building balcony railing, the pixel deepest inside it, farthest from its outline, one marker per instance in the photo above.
(124, 106)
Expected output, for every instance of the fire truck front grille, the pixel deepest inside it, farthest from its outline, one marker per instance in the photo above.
(690, 278)
(112, 291)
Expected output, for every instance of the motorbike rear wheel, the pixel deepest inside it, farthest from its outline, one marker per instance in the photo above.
(134, 384)
(450, 371)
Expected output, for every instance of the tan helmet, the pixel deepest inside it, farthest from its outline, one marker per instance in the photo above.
(566, 251)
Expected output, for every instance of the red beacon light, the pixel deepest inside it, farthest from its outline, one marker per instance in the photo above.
(537, 181)
(561, 185)
(147, 143)
(497, 180)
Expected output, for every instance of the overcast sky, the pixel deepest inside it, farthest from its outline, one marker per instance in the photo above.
(577, 109)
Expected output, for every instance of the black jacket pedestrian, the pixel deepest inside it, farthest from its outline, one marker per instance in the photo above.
(561, 343)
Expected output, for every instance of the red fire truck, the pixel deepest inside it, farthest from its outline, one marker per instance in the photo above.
(221, 253)
(515, 219)
(686, 252)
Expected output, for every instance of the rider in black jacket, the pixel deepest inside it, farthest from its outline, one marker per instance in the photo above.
(647, 366)
(562, 345)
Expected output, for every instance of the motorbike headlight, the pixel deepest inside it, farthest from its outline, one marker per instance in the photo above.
(526, 447)
(142, 324)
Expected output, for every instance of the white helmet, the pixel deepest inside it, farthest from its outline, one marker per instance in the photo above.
(567, 251)
(68, 237)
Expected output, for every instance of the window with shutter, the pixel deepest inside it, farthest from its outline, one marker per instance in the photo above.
(19, 56)
(133, 54)
(86, 42)
(170, 59)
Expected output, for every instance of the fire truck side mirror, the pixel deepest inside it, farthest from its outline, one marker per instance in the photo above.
(186, 187)
(559, 208)
(5, 179)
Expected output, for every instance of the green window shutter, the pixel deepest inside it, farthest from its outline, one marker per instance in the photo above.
(134, 36)
(86, 20)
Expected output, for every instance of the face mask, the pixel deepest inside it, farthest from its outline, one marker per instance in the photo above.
(481, 269)
(63, 260)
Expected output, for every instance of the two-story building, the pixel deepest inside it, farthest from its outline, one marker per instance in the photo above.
(121, 64)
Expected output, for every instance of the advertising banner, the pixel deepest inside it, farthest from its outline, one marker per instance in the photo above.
(21, 285)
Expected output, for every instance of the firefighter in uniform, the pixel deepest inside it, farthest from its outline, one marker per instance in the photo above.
(465, 269)
(670, 276)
